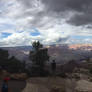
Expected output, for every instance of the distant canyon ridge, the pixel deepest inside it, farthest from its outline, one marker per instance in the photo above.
(61, 53)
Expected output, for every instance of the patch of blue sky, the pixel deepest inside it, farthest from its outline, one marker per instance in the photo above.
(81, 37)
(63, 32)
(35, 32)
(5, 35)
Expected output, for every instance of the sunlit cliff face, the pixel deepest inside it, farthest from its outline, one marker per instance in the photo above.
(49, 21)
(81, 46)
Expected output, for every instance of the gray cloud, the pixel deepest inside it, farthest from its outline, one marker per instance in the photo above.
(54, 19)
(62, 5)
(62, 40)
(58, 8)
(55, 5)
(83, 19)
(79, 6)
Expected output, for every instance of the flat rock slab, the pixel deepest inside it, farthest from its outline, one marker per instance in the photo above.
(35, 88)
(45, 85)
(84, 86)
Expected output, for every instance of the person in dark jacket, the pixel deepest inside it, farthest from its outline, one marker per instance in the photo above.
(5, 85)
(53, 66)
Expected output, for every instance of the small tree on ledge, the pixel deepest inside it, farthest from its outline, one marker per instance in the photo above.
(39, 56)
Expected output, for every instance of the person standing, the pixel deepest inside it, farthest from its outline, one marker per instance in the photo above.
(53, 67)
(5, 85)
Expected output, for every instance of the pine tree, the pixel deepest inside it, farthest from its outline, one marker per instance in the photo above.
(39, 56)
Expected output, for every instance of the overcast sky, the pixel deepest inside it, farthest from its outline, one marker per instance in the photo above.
(49, 21)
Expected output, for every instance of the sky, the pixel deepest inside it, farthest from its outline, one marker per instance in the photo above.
(49, 21)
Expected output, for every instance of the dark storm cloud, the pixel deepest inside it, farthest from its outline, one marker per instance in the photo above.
(57, 7)
(83, 19)
(79, 6)
(62, 40)
(61, 5)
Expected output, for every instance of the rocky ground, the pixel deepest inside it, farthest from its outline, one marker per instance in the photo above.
(50, 84)
(57, 84)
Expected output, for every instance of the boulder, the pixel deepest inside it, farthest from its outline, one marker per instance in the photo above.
(84, 86)
(21, 76)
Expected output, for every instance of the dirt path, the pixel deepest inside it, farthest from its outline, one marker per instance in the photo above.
(45, 85)
(70, 85)
(35, 88)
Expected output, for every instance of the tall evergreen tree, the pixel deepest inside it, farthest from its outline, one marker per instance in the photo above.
(39, 56)
(3, 58)
(14, 65)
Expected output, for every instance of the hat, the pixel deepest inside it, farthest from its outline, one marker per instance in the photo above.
(7, 78)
